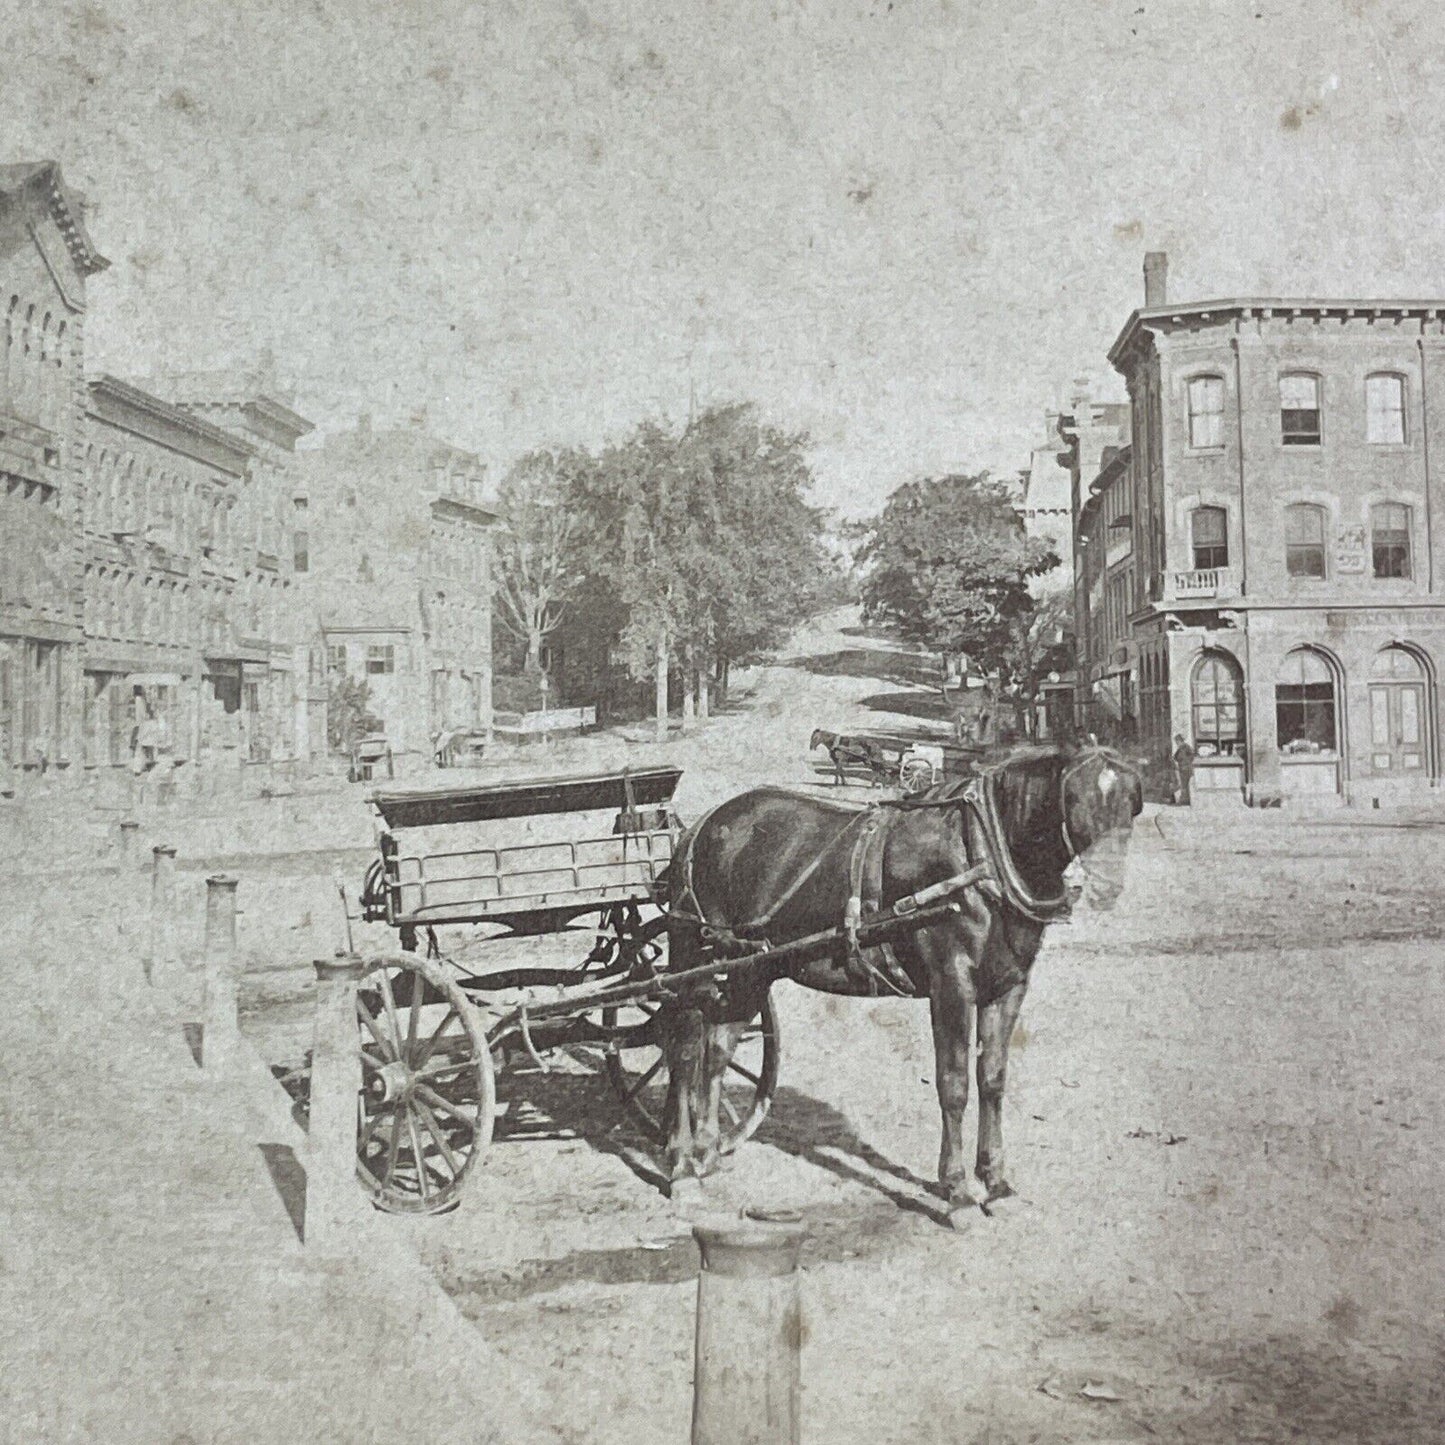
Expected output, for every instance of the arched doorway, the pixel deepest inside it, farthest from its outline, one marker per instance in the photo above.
(1399, 736)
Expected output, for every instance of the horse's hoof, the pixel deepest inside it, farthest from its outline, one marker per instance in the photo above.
(962, 1215)
(1001, 1201)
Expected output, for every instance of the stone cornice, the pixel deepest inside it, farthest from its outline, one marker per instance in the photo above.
(127, 407)
(1150, 318)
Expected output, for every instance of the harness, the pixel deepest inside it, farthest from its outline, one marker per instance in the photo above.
(995, 873)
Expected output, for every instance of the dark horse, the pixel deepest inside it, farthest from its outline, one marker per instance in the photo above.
(844, 750)
(776, 864)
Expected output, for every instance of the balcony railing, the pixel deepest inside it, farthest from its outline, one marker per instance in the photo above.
(1205, 582)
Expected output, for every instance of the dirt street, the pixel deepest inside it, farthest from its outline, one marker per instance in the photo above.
(1222, 1118)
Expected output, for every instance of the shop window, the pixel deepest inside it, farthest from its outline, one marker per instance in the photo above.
(1206, 412)
(1390, 539)
(1304, 705)
(1385, 409)
(336, 657)
(1216, 696)
(380, 659)
(1209, 535)
(1304, 540)
(1299, 409)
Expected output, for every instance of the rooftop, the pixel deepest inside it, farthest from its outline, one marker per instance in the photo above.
(67, 207)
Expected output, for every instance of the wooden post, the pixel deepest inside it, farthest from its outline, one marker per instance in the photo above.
(704, 702)
(160, 955)
(746, 1379)
(220, 1030)
(128, 830)
(661, 698)
(335, 1205)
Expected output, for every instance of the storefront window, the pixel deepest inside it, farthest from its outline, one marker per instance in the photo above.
(1304, 705)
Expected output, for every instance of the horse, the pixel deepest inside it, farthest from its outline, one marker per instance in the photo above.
(844, 749)
(783, 865)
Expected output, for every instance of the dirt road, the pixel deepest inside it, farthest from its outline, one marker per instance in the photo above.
(1222, 1118)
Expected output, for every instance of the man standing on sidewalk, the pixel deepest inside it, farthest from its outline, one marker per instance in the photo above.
(1183, 770)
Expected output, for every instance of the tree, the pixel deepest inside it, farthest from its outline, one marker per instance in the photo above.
(348, 711)
(712, 553)
(536, 553)
(1042, 643)
(949, 565)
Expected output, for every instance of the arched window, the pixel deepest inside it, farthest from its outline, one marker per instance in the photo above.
(1396, 664)
(1209, 536)
(1299, 409)
(1304, 540)
(1385, 408)
(1304, 704)
(1206, 411)
(1390, 539)
(1216, 696)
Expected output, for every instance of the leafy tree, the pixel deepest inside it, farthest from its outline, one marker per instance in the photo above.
(949, 565)
(348, 711)
(537, 562)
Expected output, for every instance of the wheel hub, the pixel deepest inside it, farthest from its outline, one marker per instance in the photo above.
(397, 1081)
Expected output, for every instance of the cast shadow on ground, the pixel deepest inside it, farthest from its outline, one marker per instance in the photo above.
(288, 1177)
(582, 1106)
(903, 668)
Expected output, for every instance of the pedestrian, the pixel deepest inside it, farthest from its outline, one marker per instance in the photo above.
(1183, 770)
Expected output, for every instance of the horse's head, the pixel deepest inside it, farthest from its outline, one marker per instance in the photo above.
(819, 737)
(1101, 795)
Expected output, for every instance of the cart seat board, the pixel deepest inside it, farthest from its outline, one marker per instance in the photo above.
(525, 797)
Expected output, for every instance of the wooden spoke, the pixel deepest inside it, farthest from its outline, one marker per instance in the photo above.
(435, 1130)
(389, 999)
(443, 1068)
(417, 994)
(429, 1048)
(445, 1105)
(383, 1113)
(731, 1112)
(417, 1154)
(644, 1079)
(369, 1019)
(748, 1074)
(395, 1144)
(368, 1062)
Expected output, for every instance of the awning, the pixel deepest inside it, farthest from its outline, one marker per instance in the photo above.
(113, 662)
(154, 679)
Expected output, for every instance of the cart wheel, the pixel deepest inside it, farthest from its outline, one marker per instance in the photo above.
(915, 776)
(428, 1100)
(637, 1070)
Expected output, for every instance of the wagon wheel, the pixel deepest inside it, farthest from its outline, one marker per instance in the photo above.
(638, 1072)
(915, 775)
(428, 1100)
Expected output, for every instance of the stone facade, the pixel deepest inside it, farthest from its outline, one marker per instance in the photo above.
(399, 579)
(46, 258)
(1284, 499)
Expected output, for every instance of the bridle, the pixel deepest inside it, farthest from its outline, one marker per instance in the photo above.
(1092, 755)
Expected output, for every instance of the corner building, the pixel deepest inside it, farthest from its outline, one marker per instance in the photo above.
(1285, 513)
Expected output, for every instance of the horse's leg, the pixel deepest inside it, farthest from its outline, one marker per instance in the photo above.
(995, 1028)
(683, 1043)
(951, 1005)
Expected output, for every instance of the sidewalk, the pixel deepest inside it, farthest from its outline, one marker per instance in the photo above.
(155, 1288)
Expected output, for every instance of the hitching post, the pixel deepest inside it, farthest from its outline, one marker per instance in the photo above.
(746, 1386)
(220, 1031)
(160, 957)
(334, 1203)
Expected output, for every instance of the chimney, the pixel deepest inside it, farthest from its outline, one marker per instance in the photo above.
(1156, 278)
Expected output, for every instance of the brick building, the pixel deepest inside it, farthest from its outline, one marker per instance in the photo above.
(399, 579)
(189, 612)
(46, 258)
(1282, 499)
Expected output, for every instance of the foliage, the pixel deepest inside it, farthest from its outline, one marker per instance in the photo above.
(1043, 643)
(537, 556)
(709, 542)
(949, 565)
(348, 711)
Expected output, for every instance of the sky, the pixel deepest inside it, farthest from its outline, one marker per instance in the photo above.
(903, 228)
